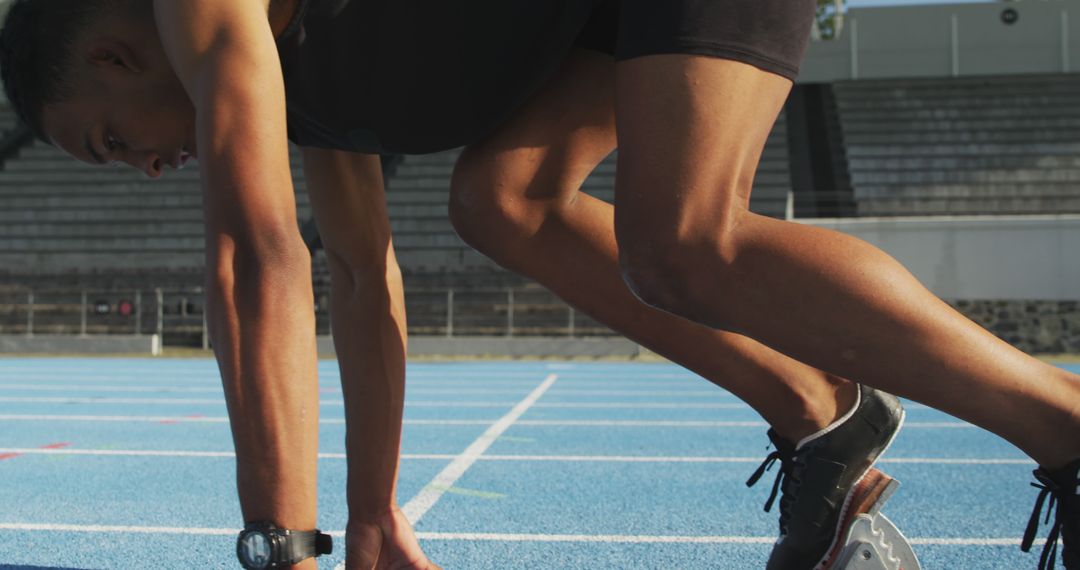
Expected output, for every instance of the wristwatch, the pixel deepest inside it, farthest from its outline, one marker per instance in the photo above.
(262, 545)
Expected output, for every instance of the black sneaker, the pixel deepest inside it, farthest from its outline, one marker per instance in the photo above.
(826, 480)
(1063, 488)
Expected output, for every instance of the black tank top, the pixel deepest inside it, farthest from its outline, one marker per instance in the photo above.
(418, 76)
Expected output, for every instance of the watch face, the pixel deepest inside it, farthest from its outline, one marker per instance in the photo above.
(254, 550)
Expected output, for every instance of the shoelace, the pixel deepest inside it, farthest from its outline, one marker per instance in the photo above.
(760, 471)
(1047, 488)
(787, 462)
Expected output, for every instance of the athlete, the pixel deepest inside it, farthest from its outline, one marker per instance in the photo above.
(538, 93)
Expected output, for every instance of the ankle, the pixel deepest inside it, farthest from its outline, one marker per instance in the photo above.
(819, 409)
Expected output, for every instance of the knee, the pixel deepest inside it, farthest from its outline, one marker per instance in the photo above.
(679, 274)
(486, 208)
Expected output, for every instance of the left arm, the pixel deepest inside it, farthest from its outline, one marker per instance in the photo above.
(368, 316)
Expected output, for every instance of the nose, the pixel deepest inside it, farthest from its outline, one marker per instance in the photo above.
(149, 163)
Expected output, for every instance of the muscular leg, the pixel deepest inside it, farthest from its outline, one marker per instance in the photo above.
(691, 130)
(516, 198)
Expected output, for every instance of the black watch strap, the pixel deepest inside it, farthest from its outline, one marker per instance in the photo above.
(303, 544)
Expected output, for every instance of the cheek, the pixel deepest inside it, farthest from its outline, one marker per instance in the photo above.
(163, 119)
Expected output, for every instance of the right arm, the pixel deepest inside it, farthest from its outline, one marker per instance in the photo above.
(368, 316)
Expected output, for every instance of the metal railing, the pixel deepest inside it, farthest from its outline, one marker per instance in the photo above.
(178, 316)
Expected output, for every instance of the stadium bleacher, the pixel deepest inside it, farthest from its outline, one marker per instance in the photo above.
(954, 146)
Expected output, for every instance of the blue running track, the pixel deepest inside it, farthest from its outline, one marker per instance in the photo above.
(127, 464)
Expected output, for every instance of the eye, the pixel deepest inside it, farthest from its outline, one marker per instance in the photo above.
(112, 143)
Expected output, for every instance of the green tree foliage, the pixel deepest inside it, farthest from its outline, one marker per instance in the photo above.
(830, 18)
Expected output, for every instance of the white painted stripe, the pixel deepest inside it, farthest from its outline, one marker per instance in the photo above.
(75, 418)
(139, 401)
(120, 452)
(415, 403)
(189, 454)
(500, 537)
(120, 529)
(437, 422)
(758, 459)
(934, 541)
(940, 425)
(199, 401)
(208, 419)
(644, 405)
(553, 458)
(717, 393)
(412, 389)
(111, 388)
(664, 539)
(642, 423)
(603, 538)
(707, 423)
(957, 461)
(415, 509)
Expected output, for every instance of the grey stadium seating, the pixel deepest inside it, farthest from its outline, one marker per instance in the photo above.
(986, 145)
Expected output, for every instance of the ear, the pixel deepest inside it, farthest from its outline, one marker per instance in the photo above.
(114, 54)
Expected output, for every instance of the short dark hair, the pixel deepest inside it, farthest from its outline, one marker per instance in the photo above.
(36, 58)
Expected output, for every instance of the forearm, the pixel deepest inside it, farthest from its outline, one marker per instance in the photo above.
(369, 334)
(262, 324)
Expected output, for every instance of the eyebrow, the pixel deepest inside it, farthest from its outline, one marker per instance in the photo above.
(93, 153)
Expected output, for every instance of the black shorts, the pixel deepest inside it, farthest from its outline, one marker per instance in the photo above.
(768, 34)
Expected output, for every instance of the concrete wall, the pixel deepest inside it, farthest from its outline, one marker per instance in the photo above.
(1021, 258)
(949, 40)
(74, 344)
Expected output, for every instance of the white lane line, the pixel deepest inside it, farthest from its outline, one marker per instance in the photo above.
(644, 405)
(167, 389)
(414, 403)
(86, 418)
(207, 420)
(75, 400)
(218, 389)
(120, 529)
(708, 423)
(500, 537)
(221, 401)
(415, 509)
(642, 423)
(665, 539)
(707, 459)
(109, 388)
(189, 454)
(437, 422)
(544, 458)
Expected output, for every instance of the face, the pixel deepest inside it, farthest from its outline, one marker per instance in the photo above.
(128, 106)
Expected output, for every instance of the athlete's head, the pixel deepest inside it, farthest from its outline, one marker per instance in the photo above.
(91, 77)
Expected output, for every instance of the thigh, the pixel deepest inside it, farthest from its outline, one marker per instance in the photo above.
(553, 142)
(691, 130)
(699, 85)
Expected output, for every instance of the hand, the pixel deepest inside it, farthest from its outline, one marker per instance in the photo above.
(386, 543)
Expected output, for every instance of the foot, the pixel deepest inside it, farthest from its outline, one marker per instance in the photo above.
(1063, 488)
(826, 480)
